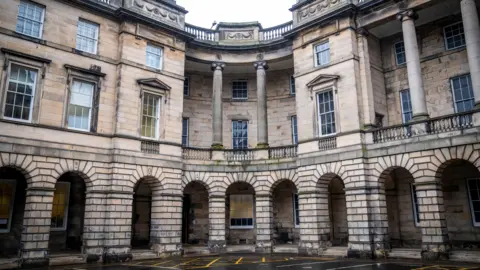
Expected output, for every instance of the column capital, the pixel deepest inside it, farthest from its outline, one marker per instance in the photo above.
(363, 32)
(261, 65)
(218, 66)
(407, 14)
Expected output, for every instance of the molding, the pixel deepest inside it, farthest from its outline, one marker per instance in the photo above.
(155, 83)
(27, 56)
(94, 70)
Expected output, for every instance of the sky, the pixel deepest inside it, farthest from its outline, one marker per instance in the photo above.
(267, 12)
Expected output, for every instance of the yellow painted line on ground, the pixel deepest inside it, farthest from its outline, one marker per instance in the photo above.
(263, 259)
(212, 262)
(187, 262)
(286, 259)
(239, 260)
(160, 263)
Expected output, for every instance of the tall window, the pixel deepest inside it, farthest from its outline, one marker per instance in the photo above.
(292, 85)
(60, 206)
(296, 210)
(326, 113)
(186, 87)
(30, 19)
(20, 93)
(185, 131)
(322, 54)
(241, 211)
(406, 106)
(240, 134)
(454, 36)
(240, 90)
(80, 106)
(474, 198)
(462, 93)
(400, 53)
(7, 198)
(150, 115)
(416, 212)
(154, 56)
(294, 130)
(87, 36)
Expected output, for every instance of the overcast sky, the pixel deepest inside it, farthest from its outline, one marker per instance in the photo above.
(267, 12)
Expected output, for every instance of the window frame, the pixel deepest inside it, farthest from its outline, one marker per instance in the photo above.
(42, 19)
(186, 86)
(445, 36)
(470, 201)
(452, 89)
(294, 129)
(12, 203)
(233, 138)
(296, 207)
(241, 227)
(315, 53)
(67, 205)
(161, 55)
(159, 114)
(293, 90)
(319, 128)
(246, 89)
(401, 105)
(94, 93)
(97, 35)
(397, 53)
(187, 136)
(415, 205)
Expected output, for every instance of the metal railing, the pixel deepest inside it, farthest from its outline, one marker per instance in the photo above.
(239, 155)
(202, 33)
(150, 147)
(276, 31)
(326, 143)
(197, 153)
(282, 152)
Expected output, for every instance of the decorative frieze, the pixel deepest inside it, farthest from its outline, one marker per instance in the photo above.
(157, 12)
(317, 9)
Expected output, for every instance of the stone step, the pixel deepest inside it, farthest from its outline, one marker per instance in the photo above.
(338, 252)
(9, 263)
(465, 256)
(285, 249)
(405, 253)
(143, 254)
(195, 250)
(65, 259)
(240, 248)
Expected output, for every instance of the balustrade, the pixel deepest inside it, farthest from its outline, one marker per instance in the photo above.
(239, 155)
(282, 152)
(197, 153)
(150, 147)
(202, 33)
(326, 143)
(276, 31)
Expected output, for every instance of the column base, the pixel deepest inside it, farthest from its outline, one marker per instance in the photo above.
(419, 129)
(313, 248)
(117, 254)
(167, 250)
(264, 247)
(217, 247)
(381, 250)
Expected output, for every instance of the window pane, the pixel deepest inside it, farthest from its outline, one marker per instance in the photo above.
(87, 36)
(7, 197)
(462, 93)
(20, 92)
(454, 36)
(240, 89)
(326, 113)
(154, 56)
(30, 19)
(240, 134)
(474, 191)
(400, 53)
(60, 204)
(241, 210)
(151, 115)
(80, 106)
(185, 132)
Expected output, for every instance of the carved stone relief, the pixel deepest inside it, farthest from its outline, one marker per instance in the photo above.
(159, 12)
(239, 35)
(316, 9)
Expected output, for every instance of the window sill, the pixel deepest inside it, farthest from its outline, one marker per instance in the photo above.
(18, 120)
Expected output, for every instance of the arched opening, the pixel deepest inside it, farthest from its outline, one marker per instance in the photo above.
(141, 215)
(195, 223)
(286, 218)
(240, 214)
(461, 193)
(12, 205)
(68, 210)
(402, 209)
(338, 212)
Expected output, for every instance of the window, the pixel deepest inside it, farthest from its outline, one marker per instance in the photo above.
(185, 131)
(240, 134)
(150, 115)
(462, 93)
(87, 36)
(322, 54)
(296, 210)
(474, 198)
(406, 106)
(154, 56)
(400, 53)
(7, 198)
(241, 211)
(292, 85)
(326, 113)
(239, 90)
(80, 105)
(294, 130)
(30, 19)
(454, 36)
(186, 87)
(60, 206)
(20, 93)
(416, 212)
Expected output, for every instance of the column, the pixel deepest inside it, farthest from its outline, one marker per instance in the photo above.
(378, 221)
(435, 243)
(415, 81)
(262, 125)
(472, 37)
(94, 225)
(166, 224)
(36, 227)
(264, 218)
(314, 222)
(216, 219)
(366, 79)
(217, 108)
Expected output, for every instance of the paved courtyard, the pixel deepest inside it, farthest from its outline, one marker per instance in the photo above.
(240, 262)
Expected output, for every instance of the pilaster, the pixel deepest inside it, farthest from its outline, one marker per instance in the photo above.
(166, 224)
(94, 225)
(216, 216)
(264, 223)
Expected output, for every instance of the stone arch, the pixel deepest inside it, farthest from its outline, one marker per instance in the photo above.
(152, 176)
(446, 156)
(80, 168)
(276, 177)
(200, 177)
(23, 163)
(247, 177)
(383, 166)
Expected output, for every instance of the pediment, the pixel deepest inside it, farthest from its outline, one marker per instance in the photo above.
(323, 78)
(155, 83)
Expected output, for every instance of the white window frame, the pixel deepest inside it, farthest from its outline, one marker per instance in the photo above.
(470, 202)
(97, 30)
(318, 112)
(159, 115)
(67, 204)
(296, 221)
(293, 89)
(294, 127)
(415, 205)
(239, 149)
(91, 104)
(401, 105)
(10, 210)
(315, 53)
(445, 36)
(246, 227)
(246, 90)
(187, 136)
(34, 90)
(42, 20)
(469, 78)
(160, 56)
(397, 53)
(186, 85)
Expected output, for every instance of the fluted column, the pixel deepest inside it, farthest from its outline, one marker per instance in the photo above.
(262, 124)
(415, 81)
(217, 110)
(471, 28)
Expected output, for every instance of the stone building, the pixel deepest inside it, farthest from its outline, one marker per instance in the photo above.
(127, 133)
